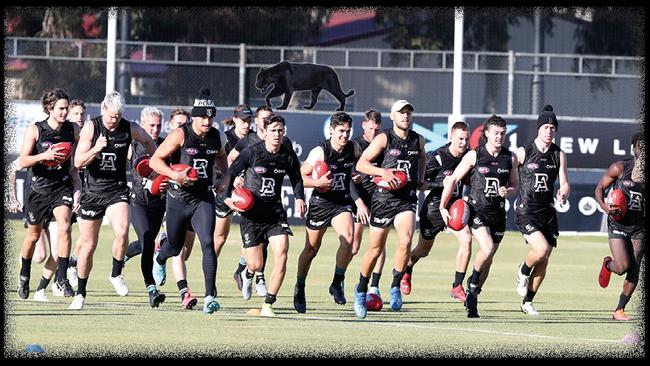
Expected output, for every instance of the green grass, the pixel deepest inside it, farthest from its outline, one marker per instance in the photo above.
(575, 312)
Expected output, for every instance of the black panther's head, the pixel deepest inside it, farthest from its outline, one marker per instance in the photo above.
(266, 78)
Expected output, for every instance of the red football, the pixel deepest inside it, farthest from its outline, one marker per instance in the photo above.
(181, 167)
(320, 169)
(401, 175)
(373, 302)
(141, 165)
(155, 184)
(242, 198)
(64, 148)
(616, 199)
(459, 215)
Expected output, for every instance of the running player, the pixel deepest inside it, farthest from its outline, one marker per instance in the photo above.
(52, 188)
(626, 236)
(492, 178)
(265, 165)
(103, 147)
(192, 199)
(440, 164)
(402, 149)
(541, 163)
(371, 126)
(330, 207)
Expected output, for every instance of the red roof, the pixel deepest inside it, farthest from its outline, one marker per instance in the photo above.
(342, 17)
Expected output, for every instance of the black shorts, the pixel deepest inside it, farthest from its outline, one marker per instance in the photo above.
(39, 207)
(93, 206)
(261, 223)
(220, 208)
(495, 221)
(544, 221)
(383, 211)
(627, 233)
(431, 222)
(321, 212)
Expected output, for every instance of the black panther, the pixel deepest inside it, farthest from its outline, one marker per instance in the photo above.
(287, 77)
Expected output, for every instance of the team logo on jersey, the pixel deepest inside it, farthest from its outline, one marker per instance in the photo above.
(260, 169)
(46, 144)
(636, 201)
(338, 180)
(108, 162)
(192, 151)
(201, 166)
(628, 183)
(268, 187)
(394, 152)
(117, 146)
(541, 182)
(447, 173)
(491, 187)
(483, 169)
(532, 166)
(405, 166)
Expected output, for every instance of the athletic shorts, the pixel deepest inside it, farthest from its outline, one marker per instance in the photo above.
(627, 233)
(93, 206)
(321, 212)
(495, 221)
(544, 221)
(39, 207)
(431, 222)
(220, 208)
(383, 211)
(261, 223)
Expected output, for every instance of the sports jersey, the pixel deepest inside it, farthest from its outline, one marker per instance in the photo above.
(537, 175)
(107, 172)
(42, 178)
(487, 176)
(340, 165)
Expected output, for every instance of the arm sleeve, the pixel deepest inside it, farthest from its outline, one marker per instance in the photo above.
(295, 176)
(239, 165)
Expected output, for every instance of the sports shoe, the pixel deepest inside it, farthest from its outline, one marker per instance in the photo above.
(63, 285)
(260, 288)
(72, 276)
(605, 274)
(78, 302)
(522, 281)
(247, 285)
(395, 298)
(56, 291)
(471, 304)
(237, 278)
(267, 310)
(337, 292)
(374, 290)
(405, 284)
(210, 305)
(159, 271)
(458, 292)
(23, 287)
(39, 296)
(119, 284)
(528, 308)
(619, 314)
(189, 301)
(299, 301)
(359, 304)
(156, 298)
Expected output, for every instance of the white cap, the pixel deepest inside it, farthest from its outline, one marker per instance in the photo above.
(397, 106)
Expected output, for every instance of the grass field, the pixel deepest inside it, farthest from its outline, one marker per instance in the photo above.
(575, 312)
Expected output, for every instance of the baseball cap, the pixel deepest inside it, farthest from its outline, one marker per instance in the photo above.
(397, 106)
(243, 112)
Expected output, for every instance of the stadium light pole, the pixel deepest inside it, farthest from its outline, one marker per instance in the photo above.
(111, 41)
(458, 71)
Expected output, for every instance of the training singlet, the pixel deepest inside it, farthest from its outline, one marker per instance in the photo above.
(441, 164)
(340, 165)
(139, 195)
(634, 193)
(107, 172)
(232, 139)
(366, 183)
(44, 179)
(402, 154)
(487, 176)
(537, 175)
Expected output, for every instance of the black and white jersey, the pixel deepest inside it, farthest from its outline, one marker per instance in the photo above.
(366, 183)
(139, 194)
(487, 176)
(42, 178)
(199, 153)
(634, 193)
(340, 164)
(107, 172)
(441, 163)
(232, 139)
(537, 176)
(404, 155)
(253, 138)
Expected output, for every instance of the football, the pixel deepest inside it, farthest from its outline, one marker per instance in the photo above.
(373, 302)
(458, 215)
(381, 183)
(181, 167)
(242, 198)
(320, 169)
(616, 199)
(141, 166)
(65, 148)
(155, 184)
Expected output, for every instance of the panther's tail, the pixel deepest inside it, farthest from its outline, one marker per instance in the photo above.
(350, 93)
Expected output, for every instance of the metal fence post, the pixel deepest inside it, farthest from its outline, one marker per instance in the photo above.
(511, 80)
(242, 72)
